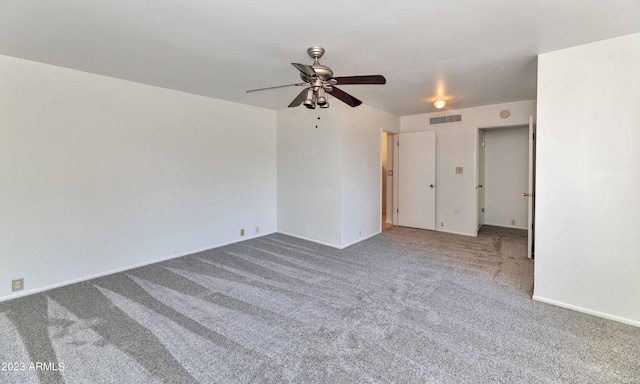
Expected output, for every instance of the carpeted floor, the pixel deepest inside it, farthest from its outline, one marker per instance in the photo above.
(406, 306)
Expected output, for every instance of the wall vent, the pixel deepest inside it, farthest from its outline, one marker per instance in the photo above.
(445, 119)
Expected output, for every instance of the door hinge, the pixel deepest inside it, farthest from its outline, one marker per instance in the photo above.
(533, 136)
(397, 211)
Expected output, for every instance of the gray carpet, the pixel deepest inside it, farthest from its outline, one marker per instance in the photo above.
(406, 306)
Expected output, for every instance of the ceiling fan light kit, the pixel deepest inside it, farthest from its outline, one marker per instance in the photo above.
(322, 97)
(309, 101)
(320, 82)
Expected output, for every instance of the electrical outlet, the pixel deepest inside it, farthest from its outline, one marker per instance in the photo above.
(513, 222)
(459, 169)
(17, 284)
(257, 229)
(242, 232)
(360, 233)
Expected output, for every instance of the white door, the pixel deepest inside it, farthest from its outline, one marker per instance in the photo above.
(417, 180)
(531, 195)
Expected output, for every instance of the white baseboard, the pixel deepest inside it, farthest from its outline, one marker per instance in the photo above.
(607, 316)
(126, 268)
(329, 244)
(361, 239)
(456, 233)
(311, 240)
(505, 226)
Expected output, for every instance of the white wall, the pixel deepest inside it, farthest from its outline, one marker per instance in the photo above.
(588, 162)
(361, 175)
(329, 177)
(99, 174)
(506, 177)
(456, 147)
(309, 173)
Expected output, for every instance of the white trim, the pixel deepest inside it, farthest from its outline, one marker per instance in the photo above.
(311, 240)
(382, 198)
(396, 163)
(512, 124)
(456, 233)
(505, 226)
(361, 239)
(476, 171)
(393, 193)
(444, 231)
(607, 316)
(329, 244)
(118, 270)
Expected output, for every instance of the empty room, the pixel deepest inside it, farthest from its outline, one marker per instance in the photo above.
(344, 192)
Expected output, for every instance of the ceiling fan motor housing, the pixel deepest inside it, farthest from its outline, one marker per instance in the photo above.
(322, 71)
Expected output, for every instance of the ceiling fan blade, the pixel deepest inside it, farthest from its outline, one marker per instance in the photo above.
(372, 79)
(299, 99)
(306, 70)
(277, 86)
(345, 97)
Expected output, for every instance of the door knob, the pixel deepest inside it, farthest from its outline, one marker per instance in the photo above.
(527, 194)
(432, 186)
(480, 186)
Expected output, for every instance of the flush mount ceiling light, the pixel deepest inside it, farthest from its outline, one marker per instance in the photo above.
(440, 103)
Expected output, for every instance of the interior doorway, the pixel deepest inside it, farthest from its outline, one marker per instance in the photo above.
(387, 205)
(505, 177)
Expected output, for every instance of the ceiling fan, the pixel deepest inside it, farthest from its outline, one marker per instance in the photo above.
(319, 82)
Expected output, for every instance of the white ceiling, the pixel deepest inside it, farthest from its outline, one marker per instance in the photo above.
(478, 52)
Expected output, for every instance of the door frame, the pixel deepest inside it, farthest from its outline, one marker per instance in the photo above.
(391, 163)
(394, 197)
(396, 157)
(480, 164)
(530, 123)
